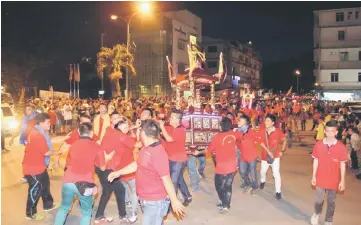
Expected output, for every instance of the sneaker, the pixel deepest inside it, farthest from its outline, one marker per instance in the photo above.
(54, 206)
(124, 219)
(224, 210)
(24, 180)
(262, 185)
(314, 219)
(187, 202)
(254, 192)
(103, 220)
(202, 175)
(35, 217)
(220, 206)
(243, 185)
(328, 223)
(278, 196)
(133, 217)
(246, 190)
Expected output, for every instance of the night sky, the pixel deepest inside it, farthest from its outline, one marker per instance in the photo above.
(67, 31)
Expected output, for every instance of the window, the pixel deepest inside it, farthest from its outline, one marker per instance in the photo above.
(334, 77)
(343, 56)
(359, 77)
(341, 35)
(181, 67)
(212, 64)
(339, 17)
(212, 49)
(357, 14)
(349, 15)
(181, 44)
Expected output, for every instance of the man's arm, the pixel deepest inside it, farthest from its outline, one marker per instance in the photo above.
(343, 172)
(314, 171)
(131, 168)
(177, 206)
(166, 136)
(267, 150)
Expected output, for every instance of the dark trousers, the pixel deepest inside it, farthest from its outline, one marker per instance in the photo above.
(223, 183)
(107, 189)
(315, 123)
(176, 174)
(354, 160)
(303, 125)
(331, 202)
(2, 139)
(248, 172)
(52, 129)
(39, 186)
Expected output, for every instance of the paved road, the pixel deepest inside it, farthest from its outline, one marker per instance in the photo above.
(295, 208)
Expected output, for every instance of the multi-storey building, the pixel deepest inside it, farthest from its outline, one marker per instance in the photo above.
(337, 52)
(244, 64)
(167, 34)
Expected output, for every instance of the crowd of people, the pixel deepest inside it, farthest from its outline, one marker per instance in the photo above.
(104, 135)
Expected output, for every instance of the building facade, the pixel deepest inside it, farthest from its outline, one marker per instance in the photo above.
(244, 64)
(337, 52)
(167, 34)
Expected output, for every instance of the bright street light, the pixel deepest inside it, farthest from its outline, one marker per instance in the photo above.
(297, 74)
(145, 7)
(113, 17)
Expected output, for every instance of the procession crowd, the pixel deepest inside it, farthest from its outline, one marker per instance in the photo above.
(137, 150)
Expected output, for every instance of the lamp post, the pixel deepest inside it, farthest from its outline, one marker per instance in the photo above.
(297, 74)
(102, 45)
(144, 7)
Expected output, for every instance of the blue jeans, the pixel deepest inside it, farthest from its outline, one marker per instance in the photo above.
(202, 163)
(154, 211)
(193, 172)
(69, 191)
(176, 174)
(245, 180)
(131, 194)
(249, 168)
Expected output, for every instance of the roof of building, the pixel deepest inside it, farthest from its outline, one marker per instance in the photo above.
(333, 10)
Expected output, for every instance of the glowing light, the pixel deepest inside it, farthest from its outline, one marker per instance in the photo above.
(113, 17)
(145, 7)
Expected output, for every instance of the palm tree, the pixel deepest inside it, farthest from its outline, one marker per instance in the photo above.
(116, 59)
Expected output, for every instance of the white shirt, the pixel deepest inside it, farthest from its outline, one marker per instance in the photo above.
(67, 112)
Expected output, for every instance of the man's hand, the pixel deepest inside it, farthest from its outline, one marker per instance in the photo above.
(161, 124)
(112, 176)
(109, 156)
(341, 186)
(271, 154)
(313, 181)
(178, 208)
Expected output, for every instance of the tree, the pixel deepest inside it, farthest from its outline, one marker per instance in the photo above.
(16, 68)
(115, 59)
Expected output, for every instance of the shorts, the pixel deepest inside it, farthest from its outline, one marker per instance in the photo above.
(68, 122)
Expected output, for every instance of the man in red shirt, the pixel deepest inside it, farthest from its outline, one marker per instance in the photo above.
(175, 137)
(224, 144)
(249, 155)
(271, 138)
(71, 138)
(329, 168)
(80, 172)
(34, 168)
(113, 140)
(154, 185)
(101, 121)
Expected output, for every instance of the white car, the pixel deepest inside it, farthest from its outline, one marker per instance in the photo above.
(9, 124)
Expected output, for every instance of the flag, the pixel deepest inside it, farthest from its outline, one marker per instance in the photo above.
(71, 73)
(289, 91)
(76, 72)
(170, 70)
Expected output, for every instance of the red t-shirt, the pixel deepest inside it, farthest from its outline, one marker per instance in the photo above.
(127, 157)
(72, 138)
(84, 154)
(224, 145)
(115, 140)
(247, 145)
(176, 149)
(153, 164)
(274, 140)
(34, 156)
(329, 159)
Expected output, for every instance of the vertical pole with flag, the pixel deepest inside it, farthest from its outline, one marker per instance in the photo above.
(70, 78)
(78, 78)
(75, 75)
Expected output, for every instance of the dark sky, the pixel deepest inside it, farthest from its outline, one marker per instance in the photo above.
(68, 31)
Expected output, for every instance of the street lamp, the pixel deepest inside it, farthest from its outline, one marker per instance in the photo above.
(297, 74)
(144, 8)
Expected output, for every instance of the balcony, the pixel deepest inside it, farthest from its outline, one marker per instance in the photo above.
(328, 65)
(340, 85)
(345, 23)
(339, 44)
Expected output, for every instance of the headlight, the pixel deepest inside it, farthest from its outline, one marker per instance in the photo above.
(13, 124)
